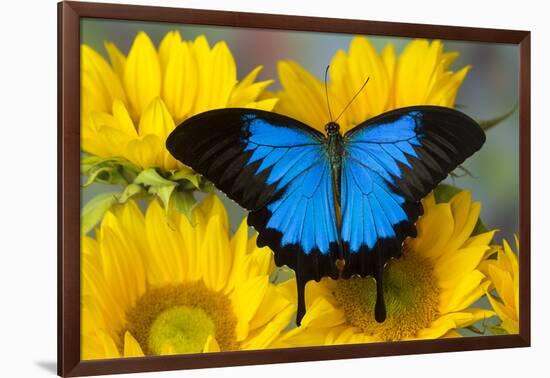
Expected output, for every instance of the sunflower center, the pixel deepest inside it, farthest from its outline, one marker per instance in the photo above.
(179, 319)
(411, 294)
(181, 329)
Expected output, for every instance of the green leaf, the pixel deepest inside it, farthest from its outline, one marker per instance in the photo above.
(479, 228)
(94, 210)
(487, 124)
(184, 202)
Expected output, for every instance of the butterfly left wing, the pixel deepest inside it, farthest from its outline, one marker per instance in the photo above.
(277, 168)
(390, 163)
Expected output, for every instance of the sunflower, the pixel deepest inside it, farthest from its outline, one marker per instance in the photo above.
(419, 76)
(130, 105)
(428, 290)
(153, 286)
(504, 274)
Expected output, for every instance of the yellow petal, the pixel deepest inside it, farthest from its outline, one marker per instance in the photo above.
(469, 289)
(246, 298)
(124, 121)
(511, 259)
(212, 205)
(168, 47)
(142, 75)
(465, 215)
(166, 259)
(268, 104)
(118, 60)
(180, 81)
(156, 120)
(246, 90)
(215, 260)
(504, 284)
(429, 243)
(99, 84)
(110, 349)
(223, 76)
(480, 239)
(389, 59)
(131, 346)
(265, 336)
(321, 313)
(211, 345)
(365, 63)
(301, 87)
(451, 269)
(239, 244)
(415, 70)
(144, 151)
(273, 303)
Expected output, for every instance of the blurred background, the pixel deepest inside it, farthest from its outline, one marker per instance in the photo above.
(489, 90)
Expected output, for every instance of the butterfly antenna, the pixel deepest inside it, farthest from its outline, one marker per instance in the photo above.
(354, 97)
(326, 93)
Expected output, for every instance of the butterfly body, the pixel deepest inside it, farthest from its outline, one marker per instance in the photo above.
(335, 152)
(317, 199)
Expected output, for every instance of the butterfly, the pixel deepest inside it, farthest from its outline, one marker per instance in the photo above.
(328, 205)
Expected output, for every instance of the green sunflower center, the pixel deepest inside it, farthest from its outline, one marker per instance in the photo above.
(180, 329)
(410, 292)
(179, 319)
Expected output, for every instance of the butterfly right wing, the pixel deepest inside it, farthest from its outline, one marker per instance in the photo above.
(391, 162)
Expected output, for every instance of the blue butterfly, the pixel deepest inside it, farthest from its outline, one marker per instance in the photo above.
(317, 200)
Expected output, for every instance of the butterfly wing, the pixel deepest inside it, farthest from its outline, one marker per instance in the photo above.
(277, 168)
(390, 163)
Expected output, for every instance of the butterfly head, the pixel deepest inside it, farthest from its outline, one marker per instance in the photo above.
(332, 128)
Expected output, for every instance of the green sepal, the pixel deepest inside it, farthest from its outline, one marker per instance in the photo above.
(184, 202)
(115, 171)
(187, 174)
(476, 330)
(173, 188)
(150, 177)
(130, 191)
(498, 330)
(94, 210)
(157, 185)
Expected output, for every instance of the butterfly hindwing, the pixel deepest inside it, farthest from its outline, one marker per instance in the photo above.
(277, 168)
(390, 163)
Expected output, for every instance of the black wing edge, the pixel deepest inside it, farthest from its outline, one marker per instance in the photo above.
(448, 138)
(212, 144)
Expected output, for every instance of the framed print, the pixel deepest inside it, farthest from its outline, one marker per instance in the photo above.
(239, 188)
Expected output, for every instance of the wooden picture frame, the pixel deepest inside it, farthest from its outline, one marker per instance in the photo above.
(69, 16)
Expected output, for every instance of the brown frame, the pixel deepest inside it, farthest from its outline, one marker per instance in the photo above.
(69, 14)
